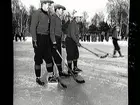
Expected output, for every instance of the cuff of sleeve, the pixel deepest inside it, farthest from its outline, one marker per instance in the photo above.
(54, 42)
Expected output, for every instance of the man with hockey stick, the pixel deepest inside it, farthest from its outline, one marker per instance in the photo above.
(77, 78)
(57, 36)
(65, 23)
(41, 40)
(115, 39)
(104, 56)
(72, 44)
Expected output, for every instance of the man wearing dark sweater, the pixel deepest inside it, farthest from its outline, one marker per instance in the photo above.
(41, 40)
(72, 44)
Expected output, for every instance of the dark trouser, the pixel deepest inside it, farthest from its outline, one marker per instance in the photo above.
(95, 37)
(23, 36)
(17, 36)
(122, 37)
(102, 38)
(107, 37)
(84, 38)
(71, 49)
(43, 51)
(89, 38)
(92, 38)
(72, 53)
(116, 45)
(55, 55)
(99, 37)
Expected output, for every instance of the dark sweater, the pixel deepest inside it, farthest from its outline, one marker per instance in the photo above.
(39, 23)
(55, 27)
(73, 31)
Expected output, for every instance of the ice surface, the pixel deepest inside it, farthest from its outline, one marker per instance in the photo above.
(106, 79)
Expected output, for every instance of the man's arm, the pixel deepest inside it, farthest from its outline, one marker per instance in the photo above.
(34, 23)
(52, 29)
(77, 32)
(62, 36)
(73, 32)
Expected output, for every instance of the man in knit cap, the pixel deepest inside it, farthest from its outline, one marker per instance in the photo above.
(72, 44)
(41, 40)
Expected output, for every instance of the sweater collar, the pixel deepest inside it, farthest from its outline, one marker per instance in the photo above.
(45, 12)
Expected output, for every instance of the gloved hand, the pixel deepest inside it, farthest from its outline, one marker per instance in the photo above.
(34, 43)
(63, 44)
(78, 44)
(119, 39)
(55, 46)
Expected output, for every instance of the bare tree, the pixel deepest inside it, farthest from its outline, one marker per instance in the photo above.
(85, 23)
(23, 18)
(118, 12)
(101, 16)
(96, 19)
(15, 16)
(20, 16)
(73, 12)
(85, 15)
(31, 11)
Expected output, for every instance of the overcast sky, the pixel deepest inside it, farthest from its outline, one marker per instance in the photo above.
(90, 6)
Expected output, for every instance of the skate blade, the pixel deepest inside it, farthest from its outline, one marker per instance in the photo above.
(55, 84)
(79, 79)
(65, 76)
(52, 83)
(114, 57)
(62, 85)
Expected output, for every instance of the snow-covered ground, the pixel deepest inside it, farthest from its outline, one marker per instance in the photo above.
(106, 79)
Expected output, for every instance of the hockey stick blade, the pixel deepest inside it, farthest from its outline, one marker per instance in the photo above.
(58, 78)
(109, 54)
(80, 81)
(90, 51)
(73, 75)
(61, 83)
(104, 56)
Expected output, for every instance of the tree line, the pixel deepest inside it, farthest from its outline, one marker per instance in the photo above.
(118, 13)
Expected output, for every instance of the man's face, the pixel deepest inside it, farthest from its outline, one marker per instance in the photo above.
(51, 8)
(60, 11)
(77, 19)
(46, 6)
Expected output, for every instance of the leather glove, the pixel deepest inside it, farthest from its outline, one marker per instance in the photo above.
(34, 43)
(63, 44)
(78, 44)
(55, 46)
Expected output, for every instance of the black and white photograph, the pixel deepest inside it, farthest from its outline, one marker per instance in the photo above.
(70, 52)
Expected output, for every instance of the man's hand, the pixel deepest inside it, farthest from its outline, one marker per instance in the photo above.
(55, 46)
(35, 43)
(78, 44)
(63, 44)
